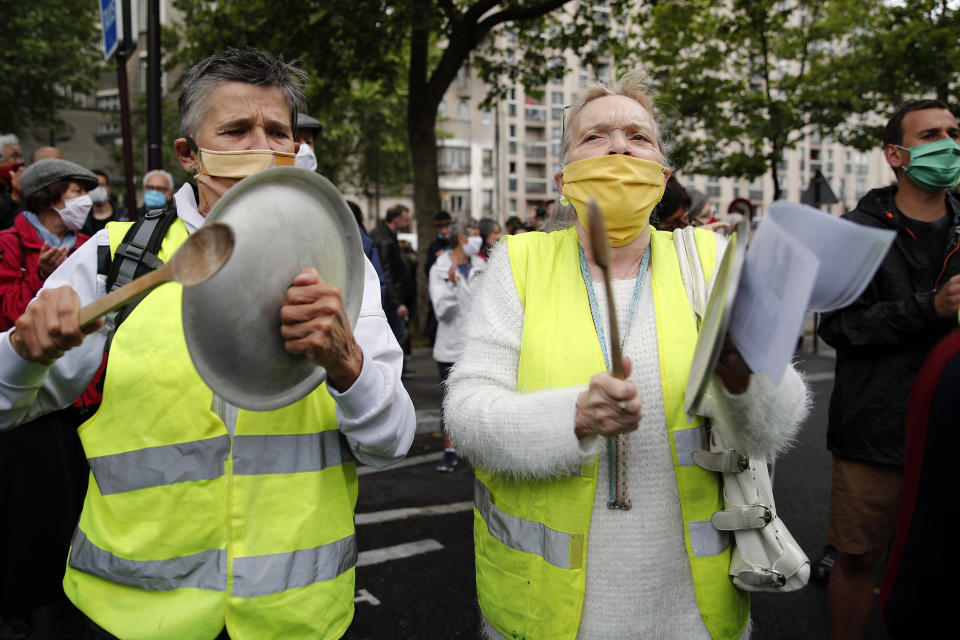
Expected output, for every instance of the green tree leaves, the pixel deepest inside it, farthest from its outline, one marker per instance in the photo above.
(50, 51)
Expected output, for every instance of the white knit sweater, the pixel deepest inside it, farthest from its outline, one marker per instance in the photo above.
(639, 583)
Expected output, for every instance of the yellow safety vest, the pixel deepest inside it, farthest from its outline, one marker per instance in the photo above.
(187, 528)
(531, 536)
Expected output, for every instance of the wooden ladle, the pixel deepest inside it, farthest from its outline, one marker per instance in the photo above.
(195, 261)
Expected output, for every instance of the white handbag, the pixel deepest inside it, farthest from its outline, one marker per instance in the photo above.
(765, 556)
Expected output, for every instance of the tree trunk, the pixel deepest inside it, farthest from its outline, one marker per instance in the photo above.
(422, 134)
(426, 199)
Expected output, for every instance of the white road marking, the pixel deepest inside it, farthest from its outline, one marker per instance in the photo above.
(406, 550)
(376, 517)
(365, 596)
(408, 462)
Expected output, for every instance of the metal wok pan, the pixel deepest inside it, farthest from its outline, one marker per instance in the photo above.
(283, 219)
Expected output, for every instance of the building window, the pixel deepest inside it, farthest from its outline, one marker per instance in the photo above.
(488, 200)
(485, 116)
(442, 110)
(488, 162)
(463, 110)
(454, 159)
(458, 203)
(108, 102)
(713, 186)
(513, 206)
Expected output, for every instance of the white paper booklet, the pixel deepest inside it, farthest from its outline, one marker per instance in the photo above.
(800, 258)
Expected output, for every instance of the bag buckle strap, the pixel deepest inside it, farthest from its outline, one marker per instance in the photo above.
(754, 516)
(761, 577)
(726, 461)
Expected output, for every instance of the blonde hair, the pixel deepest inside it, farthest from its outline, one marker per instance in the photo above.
(634, 84)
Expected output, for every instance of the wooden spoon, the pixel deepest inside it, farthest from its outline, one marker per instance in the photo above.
(195, 261)
(617, 446)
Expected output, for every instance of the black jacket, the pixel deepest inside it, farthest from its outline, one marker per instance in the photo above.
(883, 338)
(394, 269)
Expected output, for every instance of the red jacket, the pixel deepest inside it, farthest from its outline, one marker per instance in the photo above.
(19, 282)
(19, 256)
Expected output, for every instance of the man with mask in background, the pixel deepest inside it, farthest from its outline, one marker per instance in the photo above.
(157, 190)
(105, 208)
(882, 340)
(308, 130)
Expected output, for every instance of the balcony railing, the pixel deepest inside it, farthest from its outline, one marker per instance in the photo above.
(535, 114)
(536, 185)
(535, 149)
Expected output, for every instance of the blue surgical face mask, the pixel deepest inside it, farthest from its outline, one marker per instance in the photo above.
(154, 199)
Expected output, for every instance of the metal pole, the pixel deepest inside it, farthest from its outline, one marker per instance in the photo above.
(154, 114)
(131, 197)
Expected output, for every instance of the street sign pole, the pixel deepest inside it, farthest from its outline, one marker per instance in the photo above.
(131, 196)
(119, 26)
(154, 113)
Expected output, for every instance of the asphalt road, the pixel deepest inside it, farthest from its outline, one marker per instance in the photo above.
(415, 576)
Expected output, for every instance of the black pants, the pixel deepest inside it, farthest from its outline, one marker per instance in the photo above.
(43, 476)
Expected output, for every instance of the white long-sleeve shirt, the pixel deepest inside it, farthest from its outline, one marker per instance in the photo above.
(375, 414)
(450, 299)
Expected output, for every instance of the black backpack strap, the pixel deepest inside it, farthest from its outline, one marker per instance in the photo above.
(137, 255)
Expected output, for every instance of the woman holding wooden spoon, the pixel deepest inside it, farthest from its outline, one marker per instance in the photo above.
(536, 389)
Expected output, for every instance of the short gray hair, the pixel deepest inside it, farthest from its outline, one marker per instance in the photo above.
(161, 172)
(457, 228)
(245, 64)
(634, 84)
(8, 140)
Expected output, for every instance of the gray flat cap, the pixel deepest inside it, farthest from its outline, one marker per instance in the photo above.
(44, 173)
(306, 122)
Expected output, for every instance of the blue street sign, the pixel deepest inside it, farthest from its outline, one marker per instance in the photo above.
(112, 26)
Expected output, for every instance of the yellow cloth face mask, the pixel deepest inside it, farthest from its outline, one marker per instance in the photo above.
(240, 164)
(626, 190)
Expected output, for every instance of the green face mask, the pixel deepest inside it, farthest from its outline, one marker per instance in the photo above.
(934, 166)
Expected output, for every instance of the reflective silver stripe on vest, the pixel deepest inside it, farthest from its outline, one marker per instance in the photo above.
(689, 440)
(204, 570)
(277, 572)
(706, 540)
(288, 453)
(523, 535)
(157, 466)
